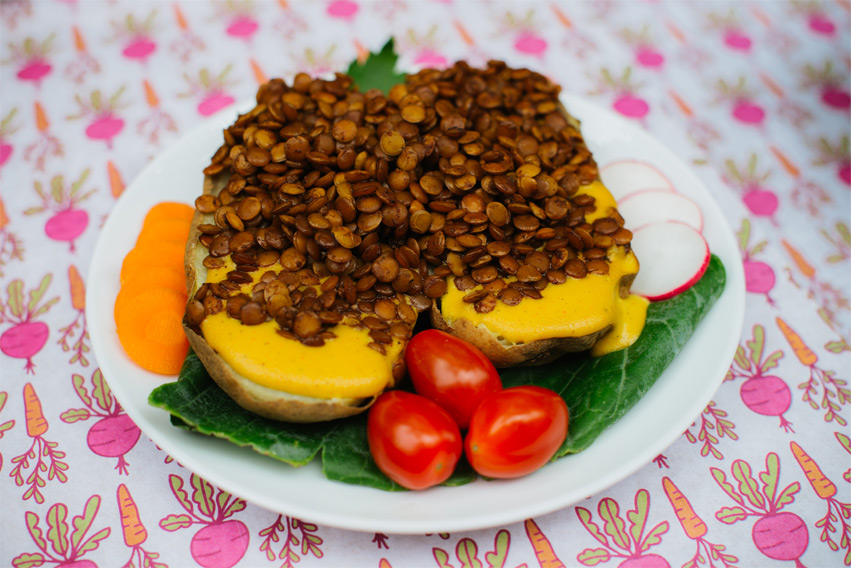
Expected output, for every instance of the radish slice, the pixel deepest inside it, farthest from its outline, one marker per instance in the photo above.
(628, 176)
(649, 206)
(673, 257)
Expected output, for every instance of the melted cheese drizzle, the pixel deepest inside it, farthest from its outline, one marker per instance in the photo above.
(576, 308)
(345, 367)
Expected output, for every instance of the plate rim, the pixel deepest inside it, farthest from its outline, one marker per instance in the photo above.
(98, 292)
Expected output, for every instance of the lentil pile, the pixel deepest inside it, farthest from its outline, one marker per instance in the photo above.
(356, 207)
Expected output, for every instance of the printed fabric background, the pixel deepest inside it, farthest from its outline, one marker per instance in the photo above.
(754, 95)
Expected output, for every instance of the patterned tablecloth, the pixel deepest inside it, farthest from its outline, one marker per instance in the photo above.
(755, 95)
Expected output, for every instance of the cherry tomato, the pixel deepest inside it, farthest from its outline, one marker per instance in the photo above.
(412, 440)
(516, 431)
(453, 373)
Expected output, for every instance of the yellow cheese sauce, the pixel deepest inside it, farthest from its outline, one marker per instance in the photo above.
(576, 308)
(345, 367)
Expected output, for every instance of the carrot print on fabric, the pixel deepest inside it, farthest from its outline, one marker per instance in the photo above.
(46, 146)
(293, 535)
(80, 346)
(134, 531)
(628, 545)
(84, 63)
(4, 426)
(155, 124)
(43, 455)
(712, 419)
(695, 529)
(833, 392)
(11, 246)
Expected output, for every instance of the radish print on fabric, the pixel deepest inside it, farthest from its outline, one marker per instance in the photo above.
(467, 550)
(80, 346)
(778, 534)
(114, 434)
(694, 528)
(523, 30)
(831, 85)
(764, 394)
(732, 31)
(222, 542)
(759, 276)
(424, 48)
(750, 181)
(712, 418)
(11, 246)
(62, 543)
(135, 36)
(26, 336)
(837, 511)
(30, 57)
(134, 532)
(239, 19)
(67, 222)
(641, 42)
(103, 122)
(834, 393)
(742, 101)
(624, 90)
(342, 9)
(7, 128)
(4, 426)
(291, 535)
(844, 441)
(43, 455)
(84, 63)
(47, 146)
(841, 242)
(629, 546)
(210, 89)
(838, 155)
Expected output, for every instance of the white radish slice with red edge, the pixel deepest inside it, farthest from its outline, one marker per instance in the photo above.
(673, 256)
(649, 206)
(624, 177)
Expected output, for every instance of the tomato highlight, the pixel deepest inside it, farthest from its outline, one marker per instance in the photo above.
(516, 431)
(413, 441)
(452, 372)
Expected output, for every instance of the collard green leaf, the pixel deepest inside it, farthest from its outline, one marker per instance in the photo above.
(197, 404)
(378, 71)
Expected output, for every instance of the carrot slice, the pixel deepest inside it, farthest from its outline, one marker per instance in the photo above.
(164, 229)
(149, 325)
(153, 253)
(142, 278)
(170, 210)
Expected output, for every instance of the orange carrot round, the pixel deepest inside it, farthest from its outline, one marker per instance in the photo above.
(154, 253)
(141, 278)
(164, 229)
(150, 329)
(170, 210)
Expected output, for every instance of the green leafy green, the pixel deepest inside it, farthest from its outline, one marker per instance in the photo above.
(378, 71)
(598, 391)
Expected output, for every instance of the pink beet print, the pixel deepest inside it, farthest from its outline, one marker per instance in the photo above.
(242, 27)
(103, 123)
(777, 534)
(732, 32)
(837, 154)
(67, 221)
(342, 9)
(425, 48)
(136, 36)
(831, 84)
(222, 541)
(749, 180)
(626, 101)
(31, 57)
(630, 545)
(64, 548)
(642, 43)
(7, 128)
(26, 336)
(759, 276)
(210, 89)
(762, 393)
(524, 31)
(742, 101)
(113, 433)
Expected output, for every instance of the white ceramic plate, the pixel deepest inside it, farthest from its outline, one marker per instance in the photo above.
(652, 425)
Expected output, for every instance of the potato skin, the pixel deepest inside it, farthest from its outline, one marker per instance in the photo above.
(270, 403)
